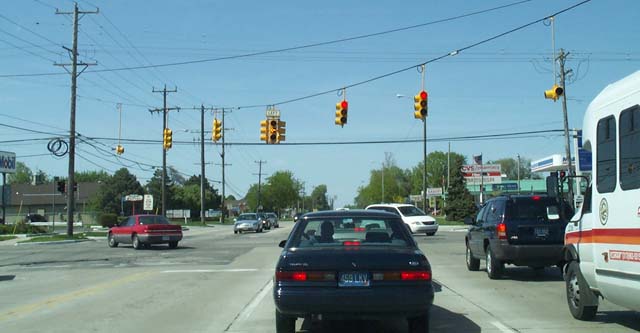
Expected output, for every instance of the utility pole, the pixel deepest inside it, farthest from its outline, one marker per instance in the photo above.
(562, 57)
(164, 111)
(202, 164)
(260, 162)
(72, 122)
(222, 157)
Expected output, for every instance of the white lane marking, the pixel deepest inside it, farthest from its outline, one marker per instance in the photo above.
(501, 327)
(49, 266)
(248, 310)
(232, 270)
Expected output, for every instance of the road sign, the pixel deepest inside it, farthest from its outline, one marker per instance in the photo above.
(273, 113)
(148, 202)
(7, 162)
(434, 192)
(476, 174)
(415, 197)
(133, 197)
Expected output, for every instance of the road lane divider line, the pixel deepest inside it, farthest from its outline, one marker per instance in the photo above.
(57, 300)
(501, 327)
(247, 311)
(228, 270)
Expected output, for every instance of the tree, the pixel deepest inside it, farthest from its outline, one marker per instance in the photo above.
(187, 196)
(23, 175)
(319, 198)
(397, 185)
(460, 203)
(91, 176)
(154, 187)
(281, 191)
(509, 167)
(113, 189)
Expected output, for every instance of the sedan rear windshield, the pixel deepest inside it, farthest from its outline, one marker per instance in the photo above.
(146, 220)
(361, 231)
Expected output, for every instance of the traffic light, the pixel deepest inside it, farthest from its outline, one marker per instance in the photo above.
(273, 131)
(554, 93)
(167, 141)
(563, 176)
(217, 130)
(342, 108)
(264, 131)
(420, 106)
(119, 149)
(62, 186)
(280, 131)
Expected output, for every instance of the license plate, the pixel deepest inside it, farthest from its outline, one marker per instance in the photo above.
(354, 279)
(541, 232)
(165, 238)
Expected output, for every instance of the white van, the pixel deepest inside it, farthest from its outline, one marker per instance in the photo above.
(602, 246)
(417, 220)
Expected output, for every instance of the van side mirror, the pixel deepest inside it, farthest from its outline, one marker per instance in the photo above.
(282, 243)
(468, 220)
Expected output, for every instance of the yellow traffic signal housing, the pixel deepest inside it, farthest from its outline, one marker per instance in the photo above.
(264, 131)
(119, 149)
(554, 93)
(273, 131)
(167, 142)
(342, 108)
(421, 105)
(217, 130)
(280, 132)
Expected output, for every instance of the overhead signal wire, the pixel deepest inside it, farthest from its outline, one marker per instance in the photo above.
(287, 49)
(450, 54)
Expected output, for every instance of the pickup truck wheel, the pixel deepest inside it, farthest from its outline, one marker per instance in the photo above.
(112, 241)
(136, 242)
(494, 266)
(285, 324)
(577, 292)
(473, 264)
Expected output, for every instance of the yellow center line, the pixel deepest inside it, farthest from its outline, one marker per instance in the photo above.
(57, 300)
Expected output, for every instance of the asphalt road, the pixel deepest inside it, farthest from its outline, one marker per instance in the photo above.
(220, 282)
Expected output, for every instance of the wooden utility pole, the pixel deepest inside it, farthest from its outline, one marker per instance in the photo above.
(164, 111)
(71, 203)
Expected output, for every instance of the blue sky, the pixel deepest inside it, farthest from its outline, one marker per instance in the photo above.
(493, 88)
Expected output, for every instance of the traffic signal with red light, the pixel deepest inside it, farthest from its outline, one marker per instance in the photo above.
(342, 108)
(264, 131)
(167, 140)
(119, 149)
(280, 130)
(421, 105)
(217, 130)
(563, 176)
(554, 93)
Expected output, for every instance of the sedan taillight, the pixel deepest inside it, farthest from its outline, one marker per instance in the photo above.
(305, 276)
(402, 276)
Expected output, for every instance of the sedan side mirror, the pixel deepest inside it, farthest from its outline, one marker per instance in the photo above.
(468, 220)
(282, 243)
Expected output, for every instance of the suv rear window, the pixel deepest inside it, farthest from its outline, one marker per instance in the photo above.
(337, 232)
(535, 209)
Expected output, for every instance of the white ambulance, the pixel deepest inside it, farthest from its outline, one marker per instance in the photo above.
(602, 243)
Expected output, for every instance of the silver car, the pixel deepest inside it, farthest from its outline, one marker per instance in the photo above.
(247, 222)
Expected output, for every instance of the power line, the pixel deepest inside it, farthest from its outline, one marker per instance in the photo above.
(293, 48)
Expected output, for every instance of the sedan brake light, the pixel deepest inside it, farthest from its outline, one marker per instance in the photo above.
(351, 243)
(305, 276)
(501, 228)
(402, 276)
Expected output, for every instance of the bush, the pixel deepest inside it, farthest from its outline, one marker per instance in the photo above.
(21, 228)
(108, 220)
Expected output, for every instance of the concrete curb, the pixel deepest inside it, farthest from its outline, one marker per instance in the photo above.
(55, 242)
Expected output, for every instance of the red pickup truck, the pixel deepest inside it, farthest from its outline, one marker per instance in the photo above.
(144, 230)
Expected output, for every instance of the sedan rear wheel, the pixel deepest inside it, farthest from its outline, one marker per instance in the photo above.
(136, 242)
(419, 324)
(285, 324)
(112, 241)
(473, 264)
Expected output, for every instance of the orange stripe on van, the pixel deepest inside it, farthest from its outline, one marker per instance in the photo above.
(604, 236)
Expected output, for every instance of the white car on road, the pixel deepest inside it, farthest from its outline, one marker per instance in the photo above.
(417, 220)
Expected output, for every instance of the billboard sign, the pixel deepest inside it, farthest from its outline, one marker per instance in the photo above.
(476, 174)
(147, 202)
(7, 162)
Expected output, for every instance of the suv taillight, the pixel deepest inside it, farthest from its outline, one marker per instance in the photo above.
(501, 228)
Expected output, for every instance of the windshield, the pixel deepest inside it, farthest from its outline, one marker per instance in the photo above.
(411, 211)
(245, 217)
(146, 220)
(337, 232)
(541, 208)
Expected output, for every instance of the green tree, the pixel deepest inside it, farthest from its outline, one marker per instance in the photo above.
(23, 175)
(187, 196)
(154, 187)
(91, 176)
(319, 198)
(113, 189)
(509, 167)
(281, 191)
(460, 203)
(397, 185)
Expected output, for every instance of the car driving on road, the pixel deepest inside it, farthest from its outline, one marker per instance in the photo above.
(273, 219)
(247, 222)
(523, 230)
(417, 220)
(145, 230)
(356, 264)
